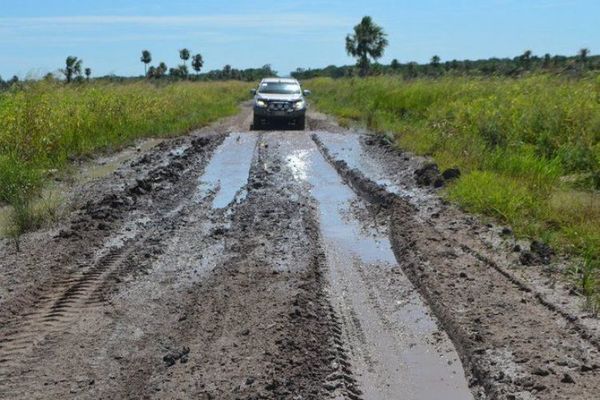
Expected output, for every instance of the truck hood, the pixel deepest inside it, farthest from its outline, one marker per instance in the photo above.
(278, 97)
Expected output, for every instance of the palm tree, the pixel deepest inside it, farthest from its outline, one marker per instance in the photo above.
(547, 61)
(161, 70)
(525, 59)
(88, 73)
(197, 63)
(72, 68)
(368, 41)
(227, 71)
(184, 54)
(582, 55)
(146, 59)
(184, 70)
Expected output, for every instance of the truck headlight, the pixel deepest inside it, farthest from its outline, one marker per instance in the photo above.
(261, 103)
(299, 105)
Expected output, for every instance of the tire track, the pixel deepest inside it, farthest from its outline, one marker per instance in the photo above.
(341, 381)
(55, 312)
(63, 304)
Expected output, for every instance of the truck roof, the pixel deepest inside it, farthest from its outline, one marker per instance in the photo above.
(279, 80)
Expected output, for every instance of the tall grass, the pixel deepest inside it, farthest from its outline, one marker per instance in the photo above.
(44, 125)
(529, 148)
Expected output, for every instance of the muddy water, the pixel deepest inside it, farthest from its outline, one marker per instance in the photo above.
(349, 148)
(397, 348)
(227, 172)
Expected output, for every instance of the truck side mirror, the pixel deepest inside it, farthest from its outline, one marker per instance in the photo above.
(253, 91)
(307, 92)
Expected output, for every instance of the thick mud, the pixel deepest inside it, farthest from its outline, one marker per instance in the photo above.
(232, 264)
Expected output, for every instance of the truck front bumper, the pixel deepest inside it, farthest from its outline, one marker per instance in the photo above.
(265, 113)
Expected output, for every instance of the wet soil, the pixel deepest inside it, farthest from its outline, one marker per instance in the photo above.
(238, 264)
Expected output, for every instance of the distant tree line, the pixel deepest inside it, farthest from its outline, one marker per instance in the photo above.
(226, 73)
(511, 67)
(368, 41)
(161, 71)
(367, 44)
(74, 72)
(7, 84)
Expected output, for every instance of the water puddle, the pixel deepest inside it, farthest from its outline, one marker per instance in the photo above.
(348, 147)
(337, 225)
(228, 170)
(395, 345)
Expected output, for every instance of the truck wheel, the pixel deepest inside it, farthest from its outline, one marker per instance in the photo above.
(256, 124)
(301, 123)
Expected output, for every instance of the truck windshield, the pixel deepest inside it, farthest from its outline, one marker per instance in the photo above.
(279, 88)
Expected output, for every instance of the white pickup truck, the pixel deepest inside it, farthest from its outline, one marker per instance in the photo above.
(279, 99)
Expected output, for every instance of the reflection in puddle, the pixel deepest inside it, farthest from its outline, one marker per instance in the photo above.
(228, 170)
(179, 151)
(297, 162)
(335, 201)
(348, 147)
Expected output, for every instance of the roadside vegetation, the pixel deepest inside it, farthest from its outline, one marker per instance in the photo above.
(47, 124)
(528, 148)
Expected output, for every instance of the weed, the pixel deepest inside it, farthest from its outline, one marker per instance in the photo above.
(586, 277)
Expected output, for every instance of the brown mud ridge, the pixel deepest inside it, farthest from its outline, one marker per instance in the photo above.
(232, 264)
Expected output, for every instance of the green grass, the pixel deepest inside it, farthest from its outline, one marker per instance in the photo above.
(45, 125)
(529, 148)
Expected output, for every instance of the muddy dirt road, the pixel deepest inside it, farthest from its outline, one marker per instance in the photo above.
(236, 264)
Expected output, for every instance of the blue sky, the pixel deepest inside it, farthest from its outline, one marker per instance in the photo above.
(37, 35)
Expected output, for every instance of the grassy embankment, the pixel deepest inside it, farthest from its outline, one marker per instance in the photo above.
(44, 125)
(529, 149)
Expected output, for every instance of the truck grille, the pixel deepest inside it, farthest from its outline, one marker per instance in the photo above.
(280, 106)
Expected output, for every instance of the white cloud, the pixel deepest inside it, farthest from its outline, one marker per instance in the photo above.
(67, 30)
(289, 20)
